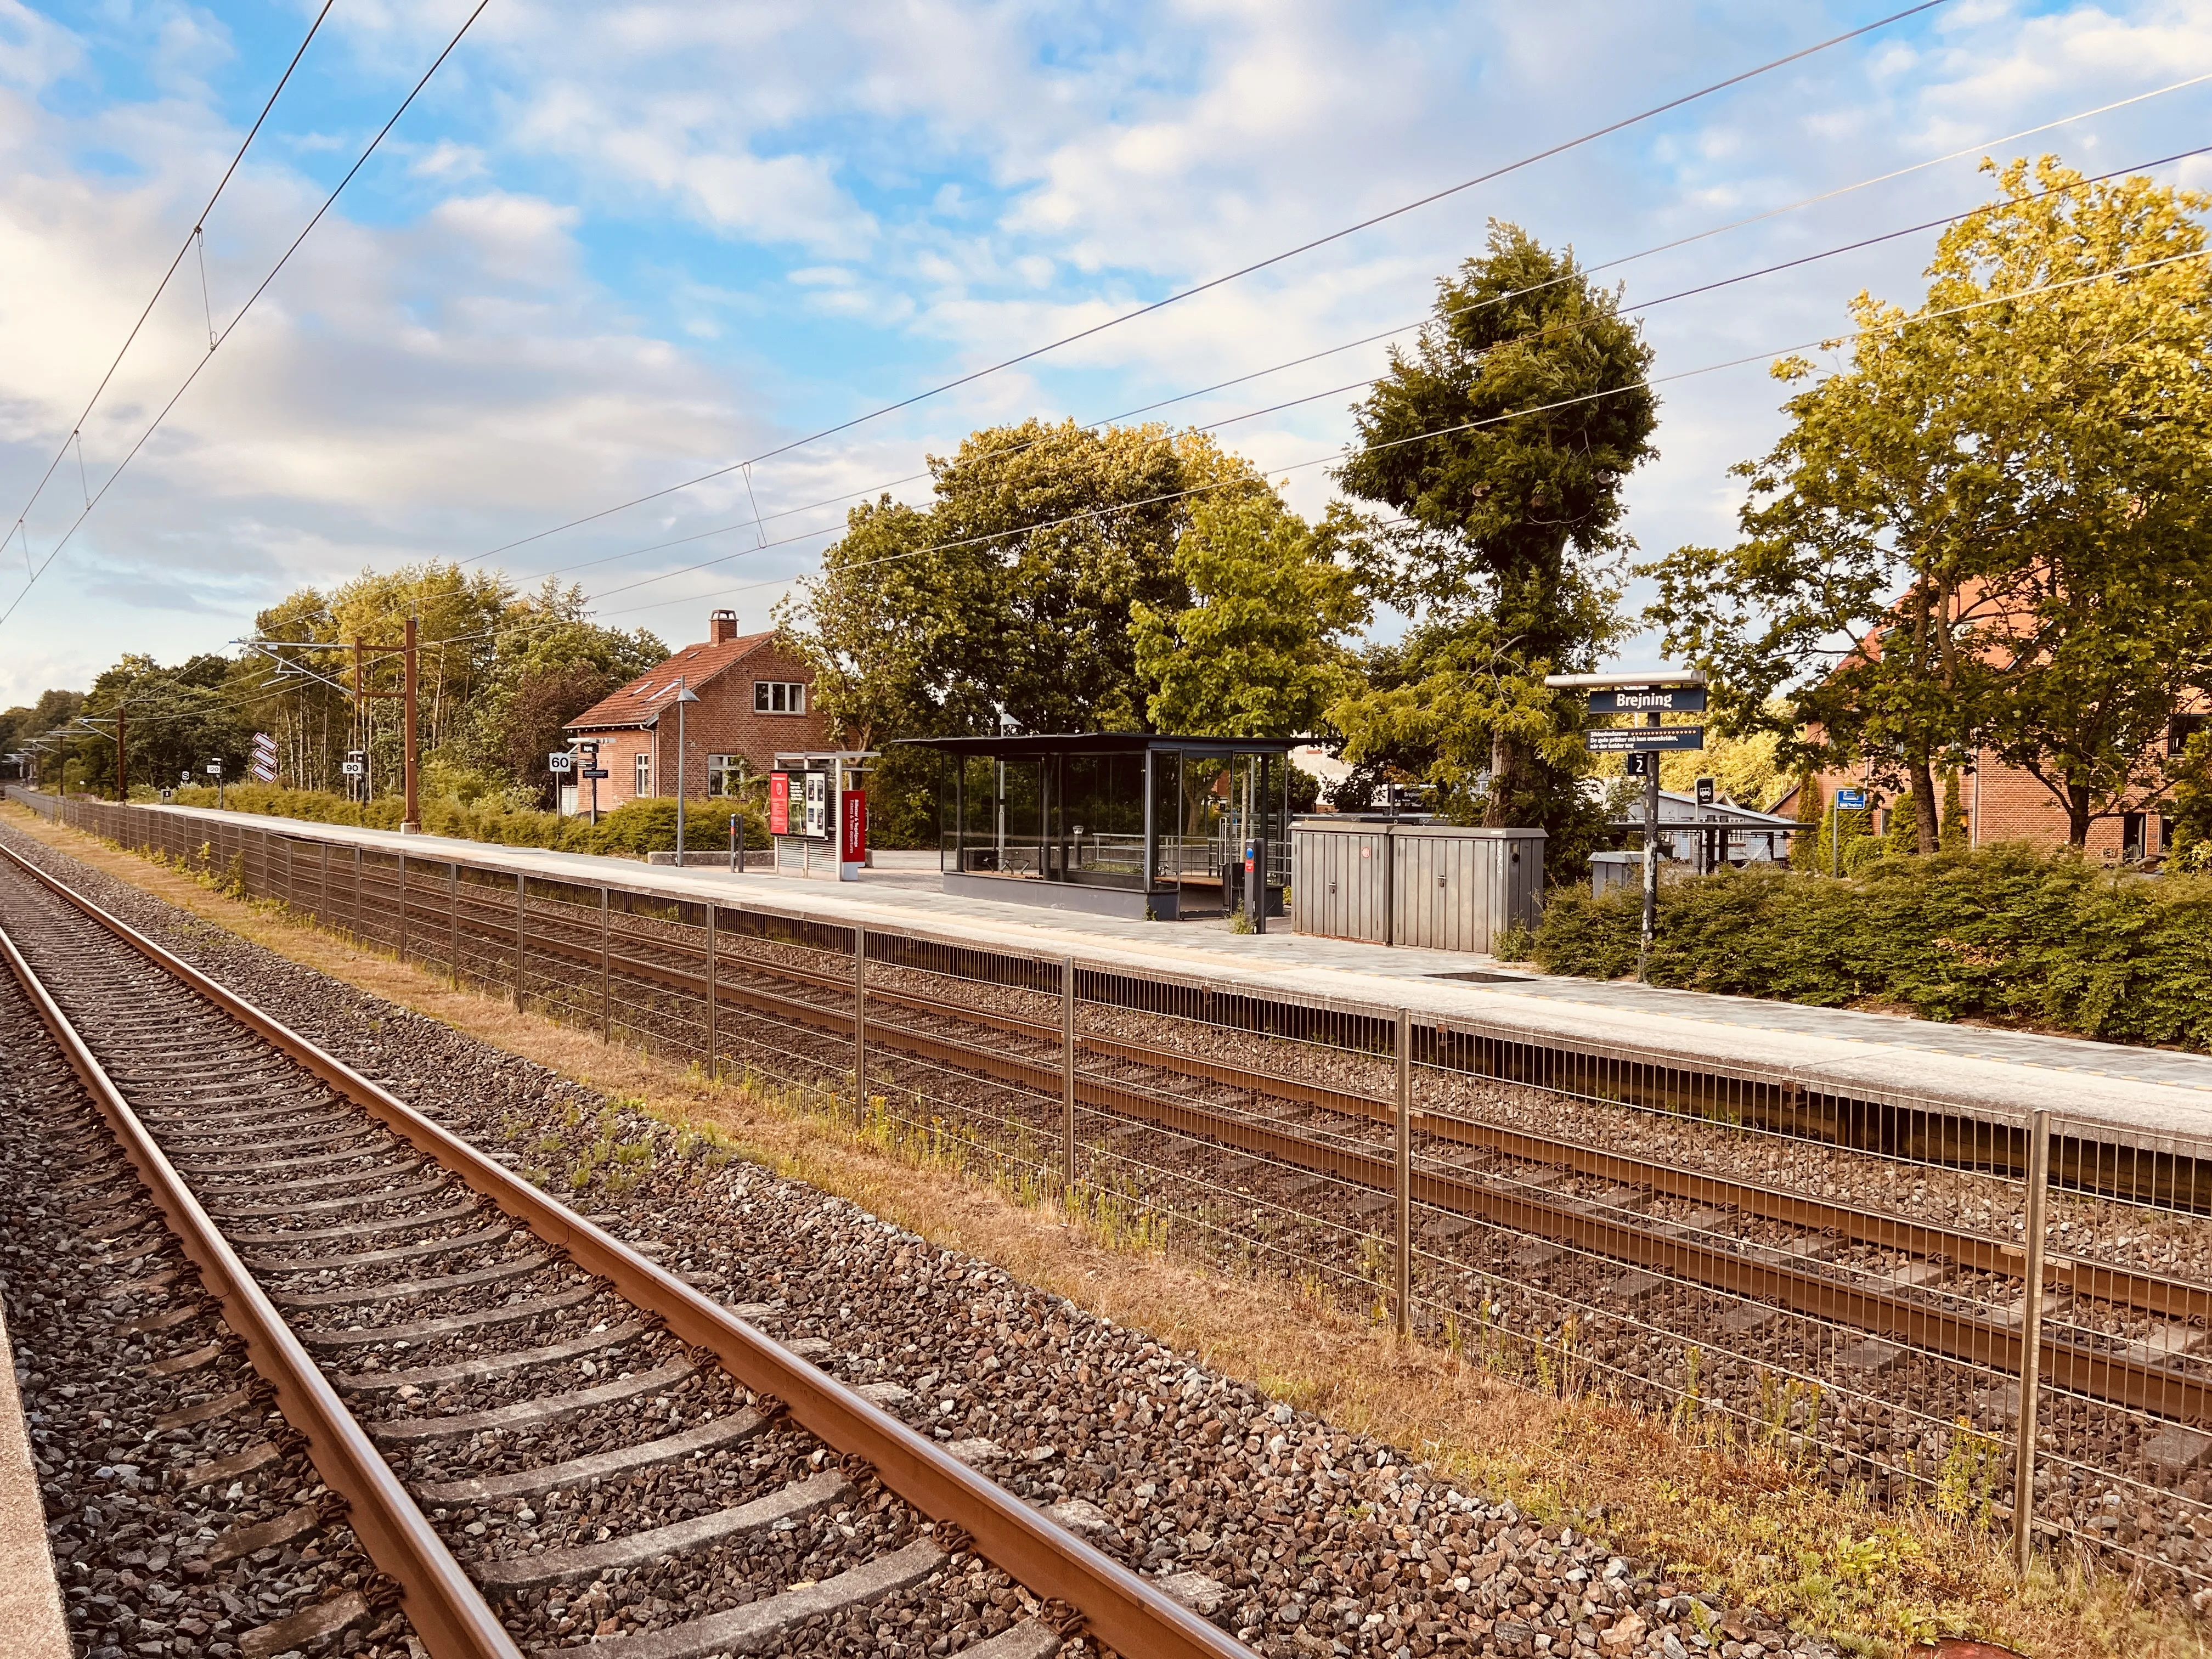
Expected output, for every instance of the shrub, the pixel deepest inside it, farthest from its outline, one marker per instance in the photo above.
(632, 830)
(2007, 933)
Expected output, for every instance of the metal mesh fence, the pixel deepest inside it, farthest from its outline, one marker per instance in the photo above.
(1892, 1292)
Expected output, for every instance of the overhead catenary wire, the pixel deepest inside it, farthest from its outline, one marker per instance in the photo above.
(262, 288)
(192, 239)
(1520, 340)
(1768, 356)
(1241, 271)
(1614, 263)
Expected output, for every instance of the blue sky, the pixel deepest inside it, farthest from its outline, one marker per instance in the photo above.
(615, 245)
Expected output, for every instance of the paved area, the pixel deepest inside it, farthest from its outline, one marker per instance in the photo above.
(2001, 1073)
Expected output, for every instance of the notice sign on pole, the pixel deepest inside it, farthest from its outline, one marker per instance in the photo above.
(779, 803)
(560, 762)
(1643, 740)
(1851, 800)
(1668, 699)
(852, 834)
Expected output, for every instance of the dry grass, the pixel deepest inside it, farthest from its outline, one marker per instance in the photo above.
(1874, 1580)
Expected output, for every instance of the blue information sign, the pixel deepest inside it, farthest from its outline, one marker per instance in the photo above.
(1851, 800)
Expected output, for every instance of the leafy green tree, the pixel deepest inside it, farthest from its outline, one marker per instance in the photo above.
(176, 720)
(1011, 599)
(1956, 830)
(1989, 529)
(1813, 817)
(1258, 652)
(1502, 440)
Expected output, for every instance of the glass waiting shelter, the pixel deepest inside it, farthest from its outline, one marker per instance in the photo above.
(1122, 823)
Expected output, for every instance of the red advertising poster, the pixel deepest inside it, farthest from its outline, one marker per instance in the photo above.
(779, 803)
(853, 827)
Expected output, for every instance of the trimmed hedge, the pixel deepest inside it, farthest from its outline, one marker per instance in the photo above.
(2009, 934)
(632, 830)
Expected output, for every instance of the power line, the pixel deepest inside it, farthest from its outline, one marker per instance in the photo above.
(1211, 284)
(155, 425)
(1519, 340)
(192, 237)
(1647, 384)
(1389, 333)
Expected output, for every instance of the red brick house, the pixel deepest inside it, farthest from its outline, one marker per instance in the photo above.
(2003, 803)
(755, 702)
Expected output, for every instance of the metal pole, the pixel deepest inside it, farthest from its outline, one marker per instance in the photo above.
(606, 973)
(860, 1019)
(1068, 1071)
(453, 920)
(403, 906)
(1402, 1176)
(2031, 1341)
(679, 771)
(122, 755)
(413, 824)
(1650, 929)
(714, 1034)
(323, 888)
(521, 922)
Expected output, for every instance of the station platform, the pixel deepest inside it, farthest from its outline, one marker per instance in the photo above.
(30, 1595)
(1997, 1072)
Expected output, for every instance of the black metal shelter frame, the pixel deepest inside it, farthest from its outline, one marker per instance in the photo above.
(1126, 823)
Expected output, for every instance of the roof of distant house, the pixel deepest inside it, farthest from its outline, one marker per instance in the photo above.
(640, 702)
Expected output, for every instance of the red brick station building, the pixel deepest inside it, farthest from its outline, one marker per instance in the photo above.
(755, 702)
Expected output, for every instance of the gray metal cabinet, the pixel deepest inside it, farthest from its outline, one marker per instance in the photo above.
(1445, 887)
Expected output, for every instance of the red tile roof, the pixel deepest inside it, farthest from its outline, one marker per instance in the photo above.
(640, 701)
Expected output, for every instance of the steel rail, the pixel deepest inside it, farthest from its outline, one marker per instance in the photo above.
(448, 1612)
(1122, 1610)
(2153, 1294)
(2070, 1365)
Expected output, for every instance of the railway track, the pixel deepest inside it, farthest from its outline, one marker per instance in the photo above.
(1761, 1243)
(473, 1367)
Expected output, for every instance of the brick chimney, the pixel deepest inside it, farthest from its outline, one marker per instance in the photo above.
(721, 626)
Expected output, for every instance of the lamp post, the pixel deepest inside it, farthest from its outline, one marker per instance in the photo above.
(683, 694)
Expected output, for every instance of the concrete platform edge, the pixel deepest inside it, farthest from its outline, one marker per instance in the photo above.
(30, 1593)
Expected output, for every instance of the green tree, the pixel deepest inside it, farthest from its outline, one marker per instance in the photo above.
(1955, 829)
(1258, 652)
(1988, 529)
(1012, 598)
(1812, 816)
(1502, 440)
(176, 721)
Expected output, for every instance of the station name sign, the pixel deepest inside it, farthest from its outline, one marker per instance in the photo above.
(1668, 699)
(1643, 740)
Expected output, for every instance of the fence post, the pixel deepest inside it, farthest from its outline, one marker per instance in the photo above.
(1402, 1175)
(606, 973)
(521, 922)
(860, 1020)
(713, 1034)
(402, 905)
(323, 887)
(2031, 1341)
(353, 922)
(1068, 1071)
(454, 919)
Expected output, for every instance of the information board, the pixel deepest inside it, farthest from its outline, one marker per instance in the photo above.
(1643, 740)
(779, 803)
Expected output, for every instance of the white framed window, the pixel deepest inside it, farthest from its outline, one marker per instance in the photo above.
(779, 696)
(724, 774)
(644, 774)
